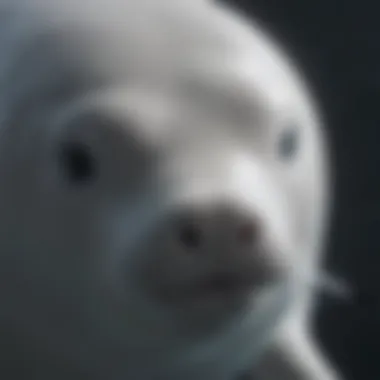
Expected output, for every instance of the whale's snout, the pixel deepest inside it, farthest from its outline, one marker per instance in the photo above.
(216, 240)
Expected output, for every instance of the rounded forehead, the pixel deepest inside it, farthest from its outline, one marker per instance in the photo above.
(171, 39)
(229, 59)
(214, 57)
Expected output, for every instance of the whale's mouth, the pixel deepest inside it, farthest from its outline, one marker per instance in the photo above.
(224, 285)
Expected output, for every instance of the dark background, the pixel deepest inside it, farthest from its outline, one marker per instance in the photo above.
(337, 43)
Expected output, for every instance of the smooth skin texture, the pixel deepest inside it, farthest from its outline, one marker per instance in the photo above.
(164, 195)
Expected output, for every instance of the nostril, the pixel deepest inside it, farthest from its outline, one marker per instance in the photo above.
(190, 236)
(247, 233)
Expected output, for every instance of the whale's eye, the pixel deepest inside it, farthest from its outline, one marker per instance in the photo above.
(79, 165)
(288, 143)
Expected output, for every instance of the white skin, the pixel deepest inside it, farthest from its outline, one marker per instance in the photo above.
(125, 125)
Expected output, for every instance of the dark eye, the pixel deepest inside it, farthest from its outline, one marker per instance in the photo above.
(288, 143)
(79, 165)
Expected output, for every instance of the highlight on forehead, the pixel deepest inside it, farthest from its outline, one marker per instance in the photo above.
(240, 67)
(241, 91)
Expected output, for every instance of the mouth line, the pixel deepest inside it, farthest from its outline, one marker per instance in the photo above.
(223, 285)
